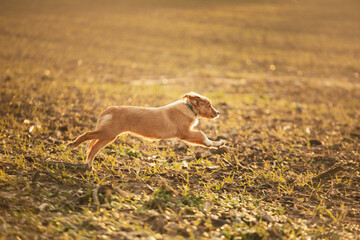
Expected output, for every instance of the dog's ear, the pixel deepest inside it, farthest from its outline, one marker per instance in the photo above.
(195, 101)
(187, 95)
(190, 95)
(193, 98)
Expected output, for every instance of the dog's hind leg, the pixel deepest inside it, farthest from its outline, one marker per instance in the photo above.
(91, 144)
(97, 134)
(96, 148)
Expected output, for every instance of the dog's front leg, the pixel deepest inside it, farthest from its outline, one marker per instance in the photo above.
(200, 138)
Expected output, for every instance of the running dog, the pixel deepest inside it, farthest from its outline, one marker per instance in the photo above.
(175, 120)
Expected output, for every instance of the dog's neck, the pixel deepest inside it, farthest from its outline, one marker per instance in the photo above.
(191, 108)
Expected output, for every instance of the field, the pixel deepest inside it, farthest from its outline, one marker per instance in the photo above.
(285, 76)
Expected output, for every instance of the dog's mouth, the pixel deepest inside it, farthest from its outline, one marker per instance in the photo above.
(215, 116)
(212, 114)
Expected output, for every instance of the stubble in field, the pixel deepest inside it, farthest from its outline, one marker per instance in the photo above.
(284, 75)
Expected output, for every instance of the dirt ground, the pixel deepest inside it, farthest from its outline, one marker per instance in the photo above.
(285, 76)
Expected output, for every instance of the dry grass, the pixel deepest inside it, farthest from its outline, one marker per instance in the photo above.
(285, 76)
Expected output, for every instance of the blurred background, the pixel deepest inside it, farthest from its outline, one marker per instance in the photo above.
(116, 40)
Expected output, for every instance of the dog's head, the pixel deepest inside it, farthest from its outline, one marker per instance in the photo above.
(201, 105)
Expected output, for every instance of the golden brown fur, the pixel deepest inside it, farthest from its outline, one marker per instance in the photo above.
(175, 120)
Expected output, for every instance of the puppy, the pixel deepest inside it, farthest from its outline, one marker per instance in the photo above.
(175, 120)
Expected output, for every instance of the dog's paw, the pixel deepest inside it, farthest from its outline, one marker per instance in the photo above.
(89, 168)
(219, 143)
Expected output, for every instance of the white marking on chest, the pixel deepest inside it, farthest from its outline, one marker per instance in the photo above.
(194, 124)
(105, 119)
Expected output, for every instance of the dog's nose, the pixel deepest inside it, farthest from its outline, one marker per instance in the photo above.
(218, 113)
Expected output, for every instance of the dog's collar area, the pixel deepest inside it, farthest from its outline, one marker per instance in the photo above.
(191, 108)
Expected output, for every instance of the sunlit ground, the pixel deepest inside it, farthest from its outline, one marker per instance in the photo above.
(285, 76)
